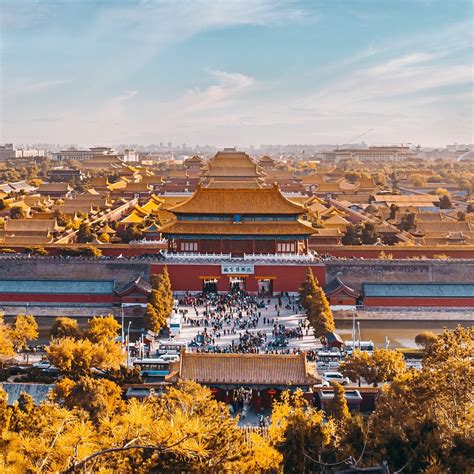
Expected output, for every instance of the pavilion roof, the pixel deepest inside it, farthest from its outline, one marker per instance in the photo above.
(234, 184)
(274, 228)
(238, 201)
(232, 163)
(337, 286)
(246, 369)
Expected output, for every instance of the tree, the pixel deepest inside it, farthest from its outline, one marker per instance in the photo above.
(425, 339)
(369, 234)
(423, 421)
(351, 236)
(393, 211)
(99, 397)
(86, 251)
(24, 330)
(164, 285)
(6, 343)
(18, 213)
(76, 358)
(61, 218)
(381, 366)
(445, 202)
(408, 221)
(301, 434)
(316, 305)
(84, 233)
(338, 406)
(65, 327)
(154, 316)
(36, 250)
(132, 232)
(102, 329)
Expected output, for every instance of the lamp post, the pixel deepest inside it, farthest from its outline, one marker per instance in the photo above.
(128, 343)
(123, 324)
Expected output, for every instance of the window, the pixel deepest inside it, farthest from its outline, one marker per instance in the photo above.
(188, 246)
(283, 247)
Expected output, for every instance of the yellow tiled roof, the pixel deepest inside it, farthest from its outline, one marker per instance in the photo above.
(132, 218)
(238, 201)
(245, 228)
(245, 369)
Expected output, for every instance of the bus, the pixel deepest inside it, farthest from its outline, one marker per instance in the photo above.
(175, 324)
(170, 347)
(364, 346)
(152, 367)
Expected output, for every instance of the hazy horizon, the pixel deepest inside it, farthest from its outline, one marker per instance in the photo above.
(236, 72)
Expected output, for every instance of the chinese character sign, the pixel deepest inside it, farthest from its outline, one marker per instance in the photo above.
(237, 269)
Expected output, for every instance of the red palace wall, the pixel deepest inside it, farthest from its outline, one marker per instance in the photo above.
(419, 302)
(188, 277)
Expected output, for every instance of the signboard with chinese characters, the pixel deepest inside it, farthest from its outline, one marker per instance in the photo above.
(236, 269)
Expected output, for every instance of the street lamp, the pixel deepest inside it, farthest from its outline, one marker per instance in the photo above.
(128, 343)
(123, 324)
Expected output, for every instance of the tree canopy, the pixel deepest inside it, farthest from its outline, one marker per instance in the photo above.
(316, 306)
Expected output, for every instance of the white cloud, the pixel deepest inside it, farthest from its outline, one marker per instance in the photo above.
(228, 88)
(33, 87)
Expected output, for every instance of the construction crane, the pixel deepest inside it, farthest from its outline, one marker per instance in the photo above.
(355, 138)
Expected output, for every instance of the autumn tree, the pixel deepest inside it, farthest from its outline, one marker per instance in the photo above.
(6, 342)
(102, 329)
(99, 397)
(65, 327)
(423, 421)
(316, 306)
(338, 407)
(425, 339)
(98, 349)
(166, 291)
(24, 329)
(160, 302)
(381, 366)
(301, 434)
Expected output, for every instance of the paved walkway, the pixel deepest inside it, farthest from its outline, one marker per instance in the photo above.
(287, 317)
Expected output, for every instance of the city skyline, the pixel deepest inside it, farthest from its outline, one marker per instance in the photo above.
(241, 73)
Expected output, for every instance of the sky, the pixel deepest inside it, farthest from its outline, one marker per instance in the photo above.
(236, 72)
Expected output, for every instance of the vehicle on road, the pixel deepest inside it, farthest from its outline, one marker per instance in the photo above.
(170, 347)
(18, 369)
(176, 322)
(169, 357)
(153, 367)
(42, 364)
(335, 377)
(365, 346)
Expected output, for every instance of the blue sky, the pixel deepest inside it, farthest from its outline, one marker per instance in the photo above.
(231, 72)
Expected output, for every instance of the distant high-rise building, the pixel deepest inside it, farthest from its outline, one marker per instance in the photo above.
(9, 152)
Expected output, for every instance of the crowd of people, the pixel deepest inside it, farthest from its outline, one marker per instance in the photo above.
(243, 316)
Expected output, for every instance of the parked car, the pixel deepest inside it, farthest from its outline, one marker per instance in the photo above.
(169, 357)
(42, 364)
(335, 377)
(18, 369)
